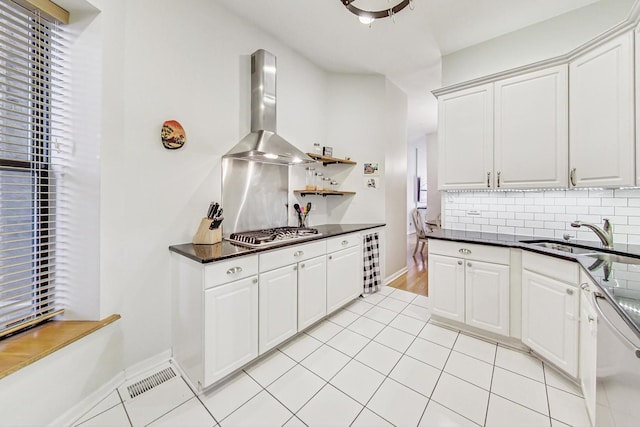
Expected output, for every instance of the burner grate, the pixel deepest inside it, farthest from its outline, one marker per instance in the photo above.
(264, 237)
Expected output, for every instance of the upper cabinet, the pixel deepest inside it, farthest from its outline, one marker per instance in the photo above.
(601, 124)
(465, 139)
(531, 132)
(508, 134)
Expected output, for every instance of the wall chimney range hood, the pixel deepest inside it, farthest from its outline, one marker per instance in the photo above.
(263, 144)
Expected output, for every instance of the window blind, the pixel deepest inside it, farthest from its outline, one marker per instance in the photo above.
(33, 113)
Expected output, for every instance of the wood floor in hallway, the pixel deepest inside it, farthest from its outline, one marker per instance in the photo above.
(415, 279)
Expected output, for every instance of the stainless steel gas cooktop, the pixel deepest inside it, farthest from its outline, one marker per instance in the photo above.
(272, 236)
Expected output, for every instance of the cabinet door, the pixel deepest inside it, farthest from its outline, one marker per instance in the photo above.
(550, 320)
(588, 349)
(312, 291)
(487, 296)
(446, 286)
(278, 306)
(231, 327)
(344, 277)
(465, 139)
(601, 127)
(531, 130)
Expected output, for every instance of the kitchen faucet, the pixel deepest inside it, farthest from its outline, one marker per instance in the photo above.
(605, 233)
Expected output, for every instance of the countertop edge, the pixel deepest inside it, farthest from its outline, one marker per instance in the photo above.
(516, 243)
(189, 250)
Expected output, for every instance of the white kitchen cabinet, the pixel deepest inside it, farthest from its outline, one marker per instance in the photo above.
(214, 317)
(531, 130)
(278, 298)
(487, 296)
(312, 291)
(230, 327)
(279, 291)
(601, 121)
(446, 286)
(470, 284)
(465, 139)
(637, 104)
(550, 309)
(344, 270)
(588, 345)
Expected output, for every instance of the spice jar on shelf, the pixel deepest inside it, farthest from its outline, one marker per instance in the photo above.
(310, 179)
(318, 181)
(317, 149)
(326, 183)
(334, 185)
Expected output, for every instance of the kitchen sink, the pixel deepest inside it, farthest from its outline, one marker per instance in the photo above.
(563, 247)
(611, 258)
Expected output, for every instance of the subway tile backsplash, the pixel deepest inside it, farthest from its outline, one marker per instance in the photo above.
(545, 213)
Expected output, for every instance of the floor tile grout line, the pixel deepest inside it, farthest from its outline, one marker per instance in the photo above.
(125, 408)
(493, 370)
(546, 390)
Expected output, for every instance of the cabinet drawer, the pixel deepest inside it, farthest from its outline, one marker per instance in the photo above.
(226, 271)
(495, 254)
(343, 242)
(291, 254)
(559, 269)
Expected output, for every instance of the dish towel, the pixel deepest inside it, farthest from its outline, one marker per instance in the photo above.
(371, 263)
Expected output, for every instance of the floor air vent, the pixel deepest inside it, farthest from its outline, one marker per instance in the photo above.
(146, 384)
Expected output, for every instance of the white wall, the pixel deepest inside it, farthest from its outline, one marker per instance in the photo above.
(556, 36)
(433, 194)
(395, 178)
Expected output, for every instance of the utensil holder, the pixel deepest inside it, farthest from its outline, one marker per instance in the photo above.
(204, 236)
(302, 220)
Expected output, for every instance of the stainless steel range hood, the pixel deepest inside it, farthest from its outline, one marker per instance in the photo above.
(263, 144)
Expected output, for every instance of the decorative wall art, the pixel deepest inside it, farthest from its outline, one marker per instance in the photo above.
(370, 169)
(173, 135)
(371, 182)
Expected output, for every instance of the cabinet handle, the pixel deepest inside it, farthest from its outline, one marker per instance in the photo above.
(330, 256)
(301, 265)
(468, 264)
(295, 268)
(298, 253)
(459, 262)
(585, 287)
(488, 179)
(465, 251)
(498, 179)
(234, 270)
(590, 319)
(572, 177)
(569, 291)
(254, 281)
(345, 242)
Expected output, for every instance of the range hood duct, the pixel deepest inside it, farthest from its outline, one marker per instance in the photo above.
(263, 144)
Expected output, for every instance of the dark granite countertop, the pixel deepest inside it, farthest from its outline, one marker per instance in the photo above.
(617, 277)
(225, 249)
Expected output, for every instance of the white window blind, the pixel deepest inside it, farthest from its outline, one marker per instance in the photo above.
(32, 159)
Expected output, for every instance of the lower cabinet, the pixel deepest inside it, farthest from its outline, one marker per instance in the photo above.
(230, 327)
(312, 291)
(550, 310)
(344, 277)
(278, 306)
(469, 290)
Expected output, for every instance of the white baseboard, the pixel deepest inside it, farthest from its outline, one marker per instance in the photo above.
(140, 369)
(395, 275)
(84, 406)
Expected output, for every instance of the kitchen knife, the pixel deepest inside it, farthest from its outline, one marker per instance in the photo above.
(216, 222)
(210, 211)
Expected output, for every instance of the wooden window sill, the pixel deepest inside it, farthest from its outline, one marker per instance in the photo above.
(27, 347)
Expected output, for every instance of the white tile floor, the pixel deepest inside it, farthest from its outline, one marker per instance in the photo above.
(377, 362)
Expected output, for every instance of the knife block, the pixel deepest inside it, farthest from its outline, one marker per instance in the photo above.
(204, 236)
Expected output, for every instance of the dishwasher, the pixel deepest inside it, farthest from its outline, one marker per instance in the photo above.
(616, 304)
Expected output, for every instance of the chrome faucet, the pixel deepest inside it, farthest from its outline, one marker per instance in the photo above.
(605, 233)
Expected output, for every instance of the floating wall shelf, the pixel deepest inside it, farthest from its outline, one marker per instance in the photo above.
(326, 160)
(324, 193)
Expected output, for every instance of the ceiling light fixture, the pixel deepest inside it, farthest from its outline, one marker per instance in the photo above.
(368, 16)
